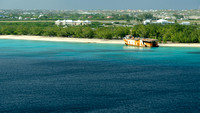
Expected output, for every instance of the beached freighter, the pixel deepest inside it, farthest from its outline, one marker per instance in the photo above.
(143, 42)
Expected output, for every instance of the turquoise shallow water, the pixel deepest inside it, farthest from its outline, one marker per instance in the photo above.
(77, 77)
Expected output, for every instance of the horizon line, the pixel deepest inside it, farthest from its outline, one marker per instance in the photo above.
(96, 9)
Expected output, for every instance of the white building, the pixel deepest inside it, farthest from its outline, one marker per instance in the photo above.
(20, 18)
(194, 17)
(162, 21)
(58, 22)
(71, 22)
(40, 16)
(86, 22)
(185, 23)
(78, 22)
(147, 22)
(67, 22)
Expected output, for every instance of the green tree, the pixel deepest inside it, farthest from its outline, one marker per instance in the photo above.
(120, 32)
(178, 16)
(88, 32)
(144, 16)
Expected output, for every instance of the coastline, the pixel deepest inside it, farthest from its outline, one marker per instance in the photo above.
(86, 40)
(61, 39)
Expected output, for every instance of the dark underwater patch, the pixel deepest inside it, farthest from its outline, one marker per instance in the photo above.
(194, 52)
(122, 51)
(40, 53)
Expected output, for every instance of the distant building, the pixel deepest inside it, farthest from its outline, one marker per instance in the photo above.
(185, 18)
(2, 16)
(185, 23)
(20, 18)
(86, 22)
(78, 22)
(194, 17)
(40, 16)
(147, 22)
(90, 16)
(67, 22)
(58, 22)
(109, 17)
(168, 18)
(33, 18)
(72, 23)
(162, 21)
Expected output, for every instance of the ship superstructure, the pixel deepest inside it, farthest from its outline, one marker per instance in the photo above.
(143, 42)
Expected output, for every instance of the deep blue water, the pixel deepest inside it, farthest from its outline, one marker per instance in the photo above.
(76, 77)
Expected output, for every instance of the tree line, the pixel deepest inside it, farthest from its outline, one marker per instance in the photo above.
(171, 32)
(49, 29)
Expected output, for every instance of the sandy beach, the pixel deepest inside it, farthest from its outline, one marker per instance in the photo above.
(85, 40)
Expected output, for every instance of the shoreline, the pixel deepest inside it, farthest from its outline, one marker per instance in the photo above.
(61, 39)
(86, 40)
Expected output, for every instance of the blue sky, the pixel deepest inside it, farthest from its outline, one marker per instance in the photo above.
(99, 4)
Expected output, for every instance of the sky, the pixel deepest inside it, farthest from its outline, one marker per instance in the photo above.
(99, 4)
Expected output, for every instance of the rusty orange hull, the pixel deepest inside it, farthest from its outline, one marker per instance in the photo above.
(141, 42)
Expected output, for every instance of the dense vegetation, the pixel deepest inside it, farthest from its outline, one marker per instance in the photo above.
(49, 29)
(174, 33)
(142, 17)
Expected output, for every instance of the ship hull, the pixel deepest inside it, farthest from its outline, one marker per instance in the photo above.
(141, 43)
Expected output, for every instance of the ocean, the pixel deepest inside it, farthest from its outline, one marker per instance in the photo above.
(39, 76)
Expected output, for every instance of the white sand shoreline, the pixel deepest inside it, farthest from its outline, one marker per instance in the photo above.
(61, 39)
(85, 40)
